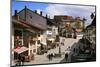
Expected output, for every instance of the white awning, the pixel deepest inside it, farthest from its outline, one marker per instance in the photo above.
(44, 43)
(51, 39)
(20, 49)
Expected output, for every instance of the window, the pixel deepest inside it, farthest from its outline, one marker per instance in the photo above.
(38, 35)
(38, 41)
(32, 42)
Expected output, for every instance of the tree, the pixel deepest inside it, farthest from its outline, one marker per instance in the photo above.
(92, 15)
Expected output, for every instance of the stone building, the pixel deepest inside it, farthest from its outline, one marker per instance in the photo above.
(68, 25)
(27, 26)
(52, 32)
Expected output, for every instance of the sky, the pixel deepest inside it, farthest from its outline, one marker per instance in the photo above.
(51, 9)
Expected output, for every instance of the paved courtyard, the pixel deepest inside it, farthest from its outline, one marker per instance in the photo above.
(42, 59)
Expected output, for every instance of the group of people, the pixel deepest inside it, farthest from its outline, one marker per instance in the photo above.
(50, 56)
(53, 55)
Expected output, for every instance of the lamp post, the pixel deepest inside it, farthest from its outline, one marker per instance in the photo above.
(57, 40)
(59, 50)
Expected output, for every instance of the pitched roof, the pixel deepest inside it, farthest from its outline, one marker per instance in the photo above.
(24, 22)
(31, 11)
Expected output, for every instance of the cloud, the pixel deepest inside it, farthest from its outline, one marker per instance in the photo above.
(71, 10)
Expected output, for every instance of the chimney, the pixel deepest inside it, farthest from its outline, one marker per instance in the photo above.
(16, 14)
(35, 11)
(41, 13)
(25, 7)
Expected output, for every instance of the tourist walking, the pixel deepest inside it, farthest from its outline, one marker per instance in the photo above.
(66, 56)
(19, 60)
(49, 57)
(22, 60)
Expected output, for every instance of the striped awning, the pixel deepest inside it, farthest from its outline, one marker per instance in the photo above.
(20, 49)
